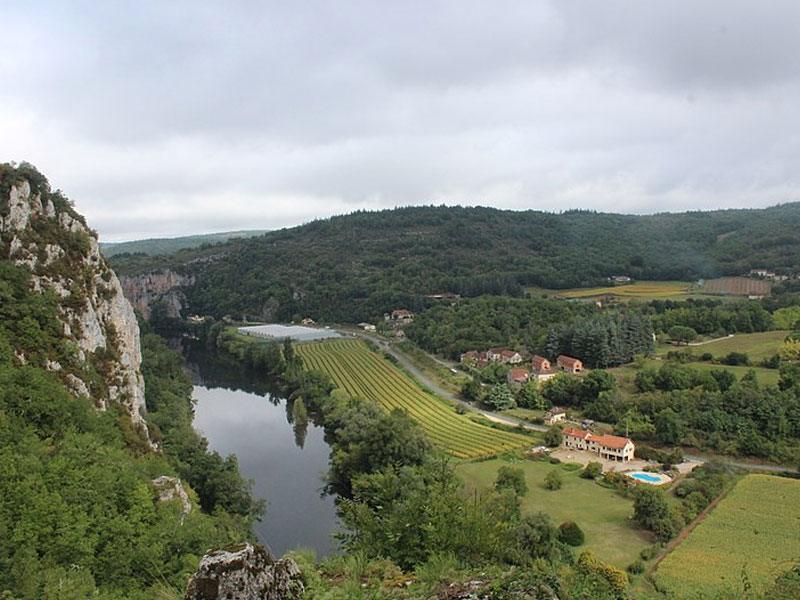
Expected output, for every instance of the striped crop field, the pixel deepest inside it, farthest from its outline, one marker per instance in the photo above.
(364, 374)
(754, 530)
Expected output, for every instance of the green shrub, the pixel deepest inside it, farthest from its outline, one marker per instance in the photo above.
(650, 552)
(571, 466)
(555, 461)
(592, 470)
(553, 481)
(571, 534)
(636, 567)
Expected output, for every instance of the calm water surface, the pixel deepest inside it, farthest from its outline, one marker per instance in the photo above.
(238, 415)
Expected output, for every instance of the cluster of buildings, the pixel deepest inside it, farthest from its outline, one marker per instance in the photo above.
(541, 369)
(767, 274)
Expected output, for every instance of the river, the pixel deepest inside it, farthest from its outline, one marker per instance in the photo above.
(241, 414)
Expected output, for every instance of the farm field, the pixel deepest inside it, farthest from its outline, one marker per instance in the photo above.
(360, 372)
(603, 514)
(754, 528)
(736, 286)
(641, 290)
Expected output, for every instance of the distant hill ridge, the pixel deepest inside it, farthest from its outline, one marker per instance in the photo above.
(357, 266)
(155, 246)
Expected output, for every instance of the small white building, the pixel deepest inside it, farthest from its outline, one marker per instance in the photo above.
(555, 415)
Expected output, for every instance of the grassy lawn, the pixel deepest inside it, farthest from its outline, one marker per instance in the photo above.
(526, 414)
(625, 375)
(603, 514)
(757, 346)
(754, 528)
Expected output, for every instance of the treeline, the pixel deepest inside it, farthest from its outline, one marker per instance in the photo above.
(677, 404)
(535, 326)
(356, 267)
(710, 317)
(603, 341)
(492, 321)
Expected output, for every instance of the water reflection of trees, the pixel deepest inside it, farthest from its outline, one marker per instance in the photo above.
(210, 368)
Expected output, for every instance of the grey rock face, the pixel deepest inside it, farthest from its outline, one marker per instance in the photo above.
(170, 488)
(103, 319)
(245, 572)
(143, 291)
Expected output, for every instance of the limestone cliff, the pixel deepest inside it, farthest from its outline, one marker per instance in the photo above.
(145, 290)
(40, 231)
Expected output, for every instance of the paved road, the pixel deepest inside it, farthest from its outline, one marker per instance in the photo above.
(506, 420)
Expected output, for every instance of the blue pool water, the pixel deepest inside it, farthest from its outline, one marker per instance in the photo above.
(646, 477)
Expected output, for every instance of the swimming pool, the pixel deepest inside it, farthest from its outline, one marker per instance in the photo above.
(651, 478)
(646, 477)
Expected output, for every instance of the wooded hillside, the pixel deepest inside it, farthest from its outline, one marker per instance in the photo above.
(357, 266)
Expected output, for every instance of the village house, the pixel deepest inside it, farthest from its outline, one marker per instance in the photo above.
(474, 358)
(608, 447)
(503, 355)
(555, 415)
(569, 364)
(516, 377)
(400, 316)
(542, 369)
(540, 363)
(367, 326)
(307, 321)
(619, 279)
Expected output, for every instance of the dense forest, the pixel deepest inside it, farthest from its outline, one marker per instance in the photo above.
(358, 266)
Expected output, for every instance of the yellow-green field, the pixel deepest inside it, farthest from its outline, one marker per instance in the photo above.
(642, 290)
(364, 374)
(755, 529)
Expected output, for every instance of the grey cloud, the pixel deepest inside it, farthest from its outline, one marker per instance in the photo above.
(158, 116)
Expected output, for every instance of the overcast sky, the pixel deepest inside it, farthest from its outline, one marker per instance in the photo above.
(168, 118)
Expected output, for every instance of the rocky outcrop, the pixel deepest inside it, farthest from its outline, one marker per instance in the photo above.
(145, 290)
(52, 241)
(171, 488)
(245, 572)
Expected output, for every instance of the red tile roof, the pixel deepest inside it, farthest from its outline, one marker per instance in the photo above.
(538, 362)
(611, 441)
(568, 360)
(579, 433)
(517, 374)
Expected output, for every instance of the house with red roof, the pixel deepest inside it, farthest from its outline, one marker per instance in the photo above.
(569, 364)
(516, 377)
(540, 363)
(608, 447)
(542, 369)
